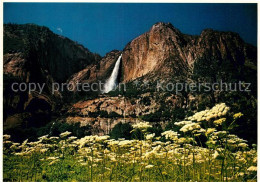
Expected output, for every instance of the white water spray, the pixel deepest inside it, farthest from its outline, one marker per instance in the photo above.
(111, 83)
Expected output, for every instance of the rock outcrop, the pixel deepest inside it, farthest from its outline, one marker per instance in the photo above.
(161, 51)
(34, 54)
(104, 113)
(99, 71)
(166, 52)
(39, 51)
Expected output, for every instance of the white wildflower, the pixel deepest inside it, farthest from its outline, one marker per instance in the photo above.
(172, 135)
(149, 166)
(252, 168)
(64, 134)
(150, 136)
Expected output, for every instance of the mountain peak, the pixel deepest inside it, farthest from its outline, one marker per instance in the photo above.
(164, 26)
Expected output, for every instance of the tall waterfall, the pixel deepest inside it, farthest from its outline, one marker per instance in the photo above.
(111, 83)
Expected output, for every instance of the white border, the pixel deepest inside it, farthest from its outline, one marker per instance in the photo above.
(119, 1)
(1, 90)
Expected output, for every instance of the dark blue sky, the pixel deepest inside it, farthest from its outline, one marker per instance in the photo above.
(102, 27)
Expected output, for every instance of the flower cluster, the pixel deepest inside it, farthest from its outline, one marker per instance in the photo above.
(192, 127)
(173, 156)
(219, 121)
(142, 125)
(237, 115)
(171, 135)
(217, 111)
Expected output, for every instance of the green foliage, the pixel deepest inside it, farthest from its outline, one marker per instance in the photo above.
(204, 103)
(178, 113)
(146, 101)
(75, 129)
(93, 114)
(153, 117)
(115, 93)
(156, 129)
(21, 38)
(52, 129)
(114, 115)
(211, 69)
(171, 126)
(137, 134)
(242, 101)
(104, 114)
(164, 114)
(131, 91)
(125, 130)
(121, 130)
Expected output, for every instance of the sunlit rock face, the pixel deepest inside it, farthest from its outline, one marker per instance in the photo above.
(151, 51)
(164, 51)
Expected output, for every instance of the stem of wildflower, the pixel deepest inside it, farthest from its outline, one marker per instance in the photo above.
(140, 174)
(183, 177)
(209, 167)
(223, 160)
(193, 156)
(133, 168)
(103, 166)
(148, 174)
(91, 165)
(204, 168)
(116, 164)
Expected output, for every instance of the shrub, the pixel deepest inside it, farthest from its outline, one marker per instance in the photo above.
(121, 130)
(52, 129)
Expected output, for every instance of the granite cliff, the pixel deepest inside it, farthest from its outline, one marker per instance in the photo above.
(35, 54)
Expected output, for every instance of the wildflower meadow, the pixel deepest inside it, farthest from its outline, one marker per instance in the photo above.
(202, 149)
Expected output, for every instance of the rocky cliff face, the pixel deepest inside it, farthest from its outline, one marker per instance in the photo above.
(34, 54)
(163, 53)
(166, 52)
(161, 50)
(104, 113)
(99, 71)
(33, 49)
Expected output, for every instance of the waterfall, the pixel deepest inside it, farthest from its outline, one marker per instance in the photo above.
(111, 83)
(50, 133)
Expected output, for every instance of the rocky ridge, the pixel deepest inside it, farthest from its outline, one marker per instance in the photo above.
(162, 53)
